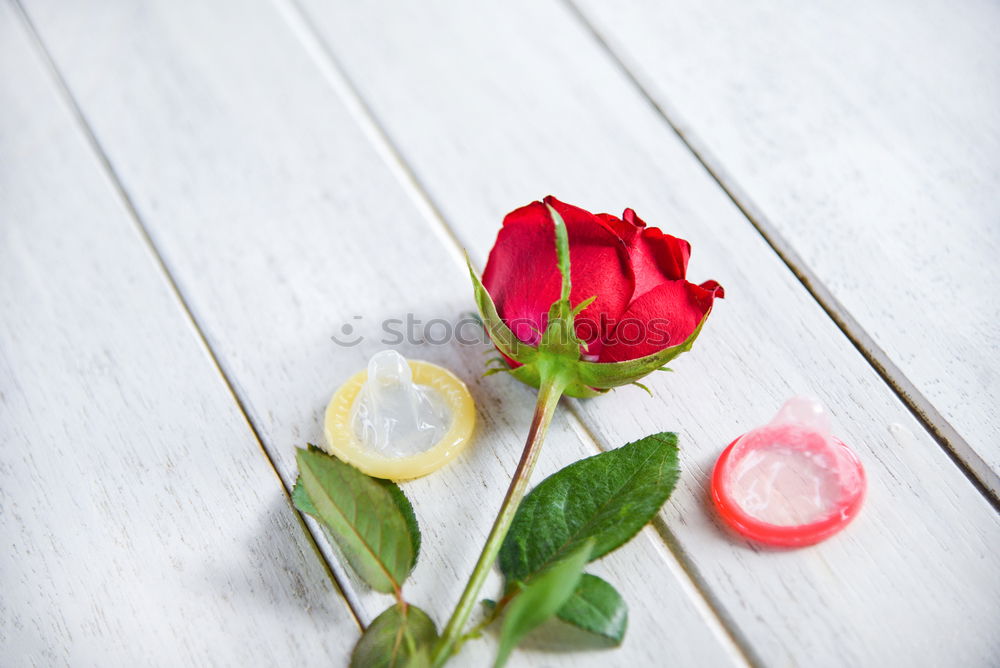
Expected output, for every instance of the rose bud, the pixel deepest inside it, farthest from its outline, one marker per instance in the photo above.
(599, 300)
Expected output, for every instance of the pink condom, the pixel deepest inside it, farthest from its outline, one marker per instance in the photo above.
(789, 483)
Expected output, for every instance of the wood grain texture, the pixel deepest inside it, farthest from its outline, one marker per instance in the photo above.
(141, 523)
(491, 108)
(866, 137)
(282, 223)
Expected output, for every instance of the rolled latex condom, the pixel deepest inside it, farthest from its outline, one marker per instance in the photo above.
(790, 482)
(399, 419)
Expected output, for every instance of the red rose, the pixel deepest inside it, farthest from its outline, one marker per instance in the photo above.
(643, 302)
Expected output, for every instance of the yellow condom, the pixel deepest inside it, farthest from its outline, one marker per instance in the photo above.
(344, 444)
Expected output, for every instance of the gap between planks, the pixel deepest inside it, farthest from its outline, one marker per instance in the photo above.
(946, 436)
(302, 27)
(182, 301)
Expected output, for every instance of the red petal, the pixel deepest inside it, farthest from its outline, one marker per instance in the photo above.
(625, 231)
(713, 286)
(663, 317)
(663, 254)
(522, 276)
(656, 257)
(633, 219)
(529, 213)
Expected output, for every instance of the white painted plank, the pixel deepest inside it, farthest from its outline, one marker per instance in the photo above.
(494, 107)
(867, 137)
(280, 222)
(141, 524)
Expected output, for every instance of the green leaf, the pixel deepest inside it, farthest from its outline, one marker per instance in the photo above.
(302, 500)
(501, 335)
(541, 599)
(607, 497)
(605, 375)
(371, 519)
(401, 637)
(597, 607)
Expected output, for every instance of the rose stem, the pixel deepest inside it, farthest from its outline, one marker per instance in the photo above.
(549, 391)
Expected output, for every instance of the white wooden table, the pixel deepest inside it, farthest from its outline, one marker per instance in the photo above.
(196, 196)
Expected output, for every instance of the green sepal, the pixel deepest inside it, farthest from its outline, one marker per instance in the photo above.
(531, 374)
(501, 335)
(578, 309)
(581, 391)
(559, 337)
(642, 387)
(527, 374)
(562, 252)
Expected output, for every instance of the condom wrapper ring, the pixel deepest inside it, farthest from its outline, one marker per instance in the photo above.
(399, 419)
(789, 483)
